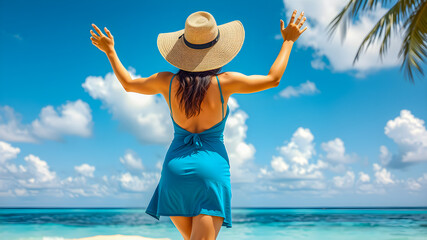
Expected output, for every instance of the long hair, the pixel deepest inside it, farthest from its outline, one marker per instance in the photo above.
(193, 87)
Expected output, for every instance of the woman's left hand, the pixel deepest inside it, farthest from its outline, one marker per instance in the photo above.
(104, 43)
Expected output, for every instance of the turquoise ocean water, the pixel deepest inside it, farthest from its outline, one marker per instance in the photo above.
(248, 223)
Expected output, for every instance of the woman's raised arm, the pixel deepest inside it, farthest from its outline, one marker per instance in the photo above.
(154, 84)
(239, 83)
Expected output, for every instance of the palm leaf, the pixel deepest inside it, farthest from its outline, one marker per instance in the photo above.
(349, 12)
(414, 44)
(399, 12)
(412, 13)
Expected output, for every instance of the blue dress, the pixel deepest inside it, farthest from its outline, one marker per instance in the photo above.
(195, 177)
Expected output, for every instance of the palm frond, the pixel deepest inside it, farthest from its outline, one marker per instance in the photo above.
(333, 25)
(350, 12)
(391, 20)
(414, 45)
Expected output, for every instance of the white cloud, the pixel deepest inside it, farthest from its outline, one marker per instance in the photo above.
(383, 178)
(335, 152)
(410, 134)
(241, 153)
(364, 177)
(382, 175)
(318, 64)
(85, 170)
(71, 118)
(39, 169)
(385, 155)
(306, 88)
(136, 183)
(279, 164)
(417, 184)
(131, 161)
(145, 116)
(7, 152)
(80, 186)
(301, 147)
(11, 128)
(37, 178)
(340, 55)
(293, 170)
(345, 181)
(413, 184)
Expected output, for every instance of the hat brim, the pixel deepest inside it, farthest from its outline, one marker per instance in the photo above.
(176, 52)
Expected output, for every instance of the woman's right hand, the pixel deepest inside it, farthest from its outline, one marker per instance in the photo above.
(102, 42)
(293, 30)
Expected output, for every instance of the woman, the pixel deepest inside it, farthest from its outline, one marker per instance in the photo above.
(194, 189)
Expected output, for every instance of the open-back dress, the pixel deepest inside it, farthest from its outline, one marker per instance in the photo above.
(195, 177)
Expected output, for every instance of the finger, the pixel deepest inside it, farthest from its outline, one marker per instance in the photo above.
(97, 30)
(93, 40)
(293, 16)
(303, 30)
(282, 24)
(299, 18)
(302, 22)
(94, 34)
(108, 33)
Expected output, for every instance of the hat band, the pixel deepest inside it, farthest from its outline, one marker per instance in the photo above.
(201, 46)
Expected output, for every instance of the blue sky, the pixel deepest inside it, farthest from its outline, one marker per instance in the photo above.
(331, 134)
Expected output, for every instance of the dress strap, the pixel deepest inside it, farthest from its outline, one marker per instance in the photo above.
(222, 98)
(170, 104)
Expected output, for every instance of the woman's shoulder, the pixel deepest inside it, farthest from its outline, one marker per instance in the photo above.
(227, 76)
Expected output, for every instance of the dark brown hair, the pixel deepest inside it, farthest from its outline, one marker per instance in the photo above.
(193, 87)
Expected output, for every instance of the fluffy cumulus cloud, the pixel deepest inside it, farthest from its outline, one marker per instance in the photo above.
(135, 179)
(336, 155)
(136, 183)
(294, 168)
(301, 147)
(305, 88)
(7, 152)
(410, 135)
(145, 116)
(299, 167)
(336, 54)
(241, 153)
(345, 181)
(71, 118)
(131, 161)
(382, 175)
(25, 179)
(85, 170)
(364, 177)
(363, 184)
(385, 155)
(416, 184)
(35, 177)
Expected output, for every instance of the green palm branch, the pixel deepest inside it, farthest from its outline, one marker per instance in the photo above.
(409, 15)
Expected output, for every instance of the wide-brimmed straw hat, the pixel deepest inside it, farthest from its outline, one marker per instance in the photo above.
(202, 45)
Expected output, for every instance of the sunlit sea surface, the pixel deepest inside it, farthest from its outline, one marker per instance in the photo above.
(248, 223)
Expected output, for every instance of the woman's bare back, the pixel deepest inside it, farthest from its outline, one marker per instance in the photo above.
(211, 109)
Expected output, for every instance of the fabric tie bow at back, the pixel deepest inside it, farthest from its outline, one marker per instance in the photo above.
(194, 139)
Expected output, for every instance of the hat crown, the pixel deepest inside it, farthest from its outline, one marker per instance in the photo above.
(200, 28)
